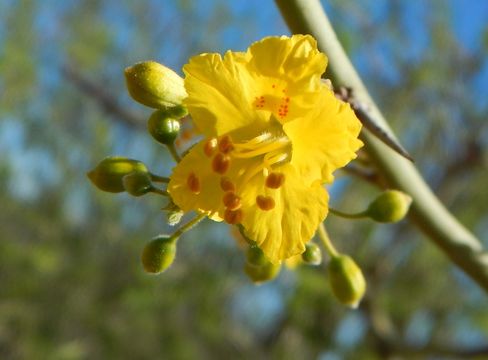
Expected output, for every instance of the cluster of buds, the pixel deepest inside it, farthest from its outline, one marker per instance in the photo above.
(161, 89)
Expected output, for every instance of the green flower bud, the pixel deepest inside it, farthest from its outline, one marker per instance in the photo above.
(260, 274)
(390, 206)
(159, 254)
(255, 256)
(312, 254)
(155, 85)
(163, 128)
(108, 174)
(346, 280)
(137, 183)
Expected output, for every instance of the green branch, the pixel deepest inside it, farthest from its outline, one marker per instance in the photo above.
(462, 247)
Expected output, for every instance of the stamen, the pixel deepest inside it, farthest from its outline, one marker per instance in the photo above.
(193, 183)
(275, 180)
(233, 217)
(265, 202)
(210, 146)
(226, 145)
(251, 172)
(266, 148)
(231, 200)
(251, 144)
(221, 163)
(275, 158)
(226, 184)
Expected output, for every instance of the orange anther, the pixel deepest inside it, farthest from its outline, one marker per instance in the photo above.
(265, 202)
(210, 146)
(275, 180)
(193, 183)
(225, 144)
(221, 163)
(233, 217)
(231, 200)
(226, 184)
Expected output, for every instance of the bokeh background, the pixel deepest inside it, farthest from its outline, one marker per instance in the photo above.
(71, 285)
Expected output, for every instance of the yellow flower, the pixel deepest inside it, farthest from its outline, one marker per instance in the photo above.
(273, 135)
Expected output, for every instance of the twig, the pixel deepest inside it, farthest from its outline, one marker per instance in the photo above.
(107, 102)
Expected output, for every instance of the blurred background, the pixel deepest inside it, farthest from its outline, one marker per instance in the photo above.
(71, 284)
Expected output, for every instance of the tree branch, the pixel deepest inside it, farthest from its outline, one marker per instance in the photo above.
(461, 246)
(107, 102)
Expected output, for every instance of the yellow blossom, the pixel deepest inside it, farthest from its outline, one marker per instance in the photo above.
(273, 135)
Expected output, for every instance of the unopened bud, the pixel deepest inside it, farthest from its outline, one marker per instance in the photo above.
(108, 174)
(255, 256)
(155, 85)
(137, 183)
(346, 280)
(312, 254)
(263, 273)
(163, 128)
(159, 254)
(390, 206)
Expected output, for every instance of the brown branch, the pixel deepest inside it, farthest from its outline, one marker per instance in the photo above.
(106, 101)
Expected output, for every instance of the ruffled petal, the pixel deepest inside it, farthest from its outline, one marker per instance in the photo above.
(324, 140)
(286, 73)
(194, 186)
(283, 231)
(219, 99)
(294, 59)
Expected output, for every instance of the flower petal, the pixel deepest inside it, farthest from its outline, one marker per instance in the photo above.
(294, 59)
(218, 95)
(283, 231)
(206, 195)
(324, 140)
(286, 74)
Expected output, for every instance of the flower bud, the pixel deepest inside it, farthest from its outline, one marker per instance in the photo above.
(390, 206)
(260, 274)
(155, 85)
(137, 183)
(159, 254)
(163, 128)
(108, 174)
(346, 280)
(255, 256)
(312, 254)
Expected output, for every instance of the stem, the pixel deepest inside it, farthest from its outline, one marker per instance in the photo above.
(360, 215)
(159, 191)
(190, 224)
(172, 149)
(460, 245)
(324, 237)
(157, 178)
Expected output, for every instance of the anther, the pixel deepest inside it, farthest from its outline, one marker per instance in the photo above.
(193, 183)
(233, 217)
(265, 202)
(226, 184)
(275, 180)
(225, 144)
(210, 146)
(221, 163)
(231, 200)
